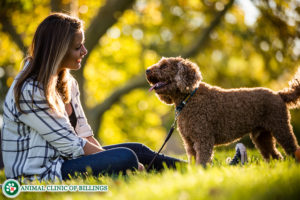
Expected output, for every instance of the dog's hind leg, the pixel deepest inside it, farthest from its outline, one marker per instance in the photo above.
(278, 122)
(284, 135)
(266, 143)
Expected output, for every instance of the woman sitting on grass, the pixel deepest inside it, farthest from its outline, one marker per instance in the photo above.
(45, 133)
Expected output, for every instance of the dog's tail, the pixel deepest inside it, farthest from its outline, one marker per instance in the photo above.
(291, 95)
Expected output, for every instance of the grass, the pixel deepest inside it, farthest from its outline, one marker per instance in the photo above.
(255, 180)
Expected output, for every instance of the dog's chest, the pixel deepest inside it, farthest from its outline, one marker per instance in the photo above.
(184, 126)
(182, 130)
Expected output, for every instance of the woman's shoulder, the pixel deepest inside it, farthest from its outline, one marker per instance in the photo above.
(32, 89)
(30, 84)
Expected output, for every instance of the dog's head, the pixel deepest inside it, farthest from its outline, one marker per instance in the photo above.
(171, 76)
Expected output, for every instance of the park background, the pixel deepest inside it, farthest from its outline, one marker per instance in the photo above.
(236, 43)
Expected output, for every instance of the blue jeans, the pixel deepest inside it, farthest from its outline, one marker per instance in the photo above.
(117, 158)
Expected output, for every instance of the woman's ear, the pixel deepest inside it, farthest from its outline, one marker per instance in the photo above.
(188, 76)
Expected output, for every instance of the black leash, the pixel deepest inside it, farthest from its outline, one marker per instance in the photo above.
(177, 113)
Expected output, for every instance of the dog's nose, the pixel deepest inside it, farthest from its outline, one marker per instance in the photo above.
(148, 71)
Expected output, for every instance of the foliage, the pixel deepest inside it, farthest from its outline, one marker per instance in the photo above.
(255, 180)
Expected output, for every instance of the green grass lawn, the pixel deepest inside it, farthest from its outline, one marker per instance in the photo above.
(255, 180)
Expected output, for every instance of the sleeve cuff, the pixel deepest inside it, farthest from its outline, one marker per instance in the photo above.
(84, 131)
(78, 150)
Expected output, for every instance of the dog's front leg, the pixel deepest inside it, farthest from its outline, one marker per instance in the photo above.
(189, 147)
(204, 150)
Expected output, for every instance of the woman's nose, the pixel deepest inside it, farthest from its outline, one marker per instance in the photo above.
(84, 51)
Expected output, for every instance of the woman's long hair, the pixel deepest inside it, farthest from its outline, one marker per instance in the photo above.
(49, 46)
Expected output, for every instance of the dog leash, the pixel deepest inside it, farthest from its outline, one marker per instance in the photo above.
(177, 113)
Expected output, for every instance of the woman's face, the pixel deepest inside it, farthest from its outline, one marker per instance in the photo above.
(75, 53)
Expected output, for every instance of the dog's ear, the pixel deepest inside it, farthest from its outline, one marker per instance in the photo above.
(188, 76)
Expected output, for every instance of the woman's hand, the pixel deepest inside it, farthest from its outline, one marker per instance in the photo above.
(90, 148)
(93, 140)
(141, 167)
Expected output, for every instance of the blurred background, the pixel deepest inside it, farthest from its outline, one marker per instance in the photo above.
(236, 43)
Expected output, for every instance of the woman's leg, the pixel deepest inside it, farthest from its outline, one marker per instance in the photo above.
(145, 155)
(111, 162)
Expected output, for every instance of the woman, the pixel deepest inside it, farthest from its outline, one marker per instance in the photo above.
(45, 132)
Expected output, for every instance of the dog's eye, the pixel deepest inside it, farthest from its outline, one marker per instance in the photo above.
(163, 66)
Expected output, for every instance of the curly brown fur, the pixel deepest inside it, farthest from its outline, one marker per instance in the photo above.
(216, 116)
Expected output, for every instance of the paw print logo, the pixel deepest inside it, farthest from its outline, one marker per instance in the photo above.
(11, 188)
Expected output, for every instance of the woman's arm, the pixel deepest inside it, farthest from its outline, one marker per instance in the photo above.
(90, 148)
(52, 127)
(83, 129)
(93, 140)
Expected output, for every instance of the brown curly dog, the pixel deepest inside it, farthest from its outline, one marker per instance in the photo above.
(215, 116)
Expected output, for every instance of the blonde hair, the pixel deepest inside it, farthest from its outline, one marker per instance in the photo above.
(48, 48)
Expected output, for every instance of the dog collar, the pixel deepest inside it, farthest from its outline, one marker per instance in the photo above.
(183, 103)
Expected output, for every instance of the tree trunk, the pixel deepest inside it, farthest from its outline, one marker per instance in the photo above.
(9, 28)
(70, 8)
